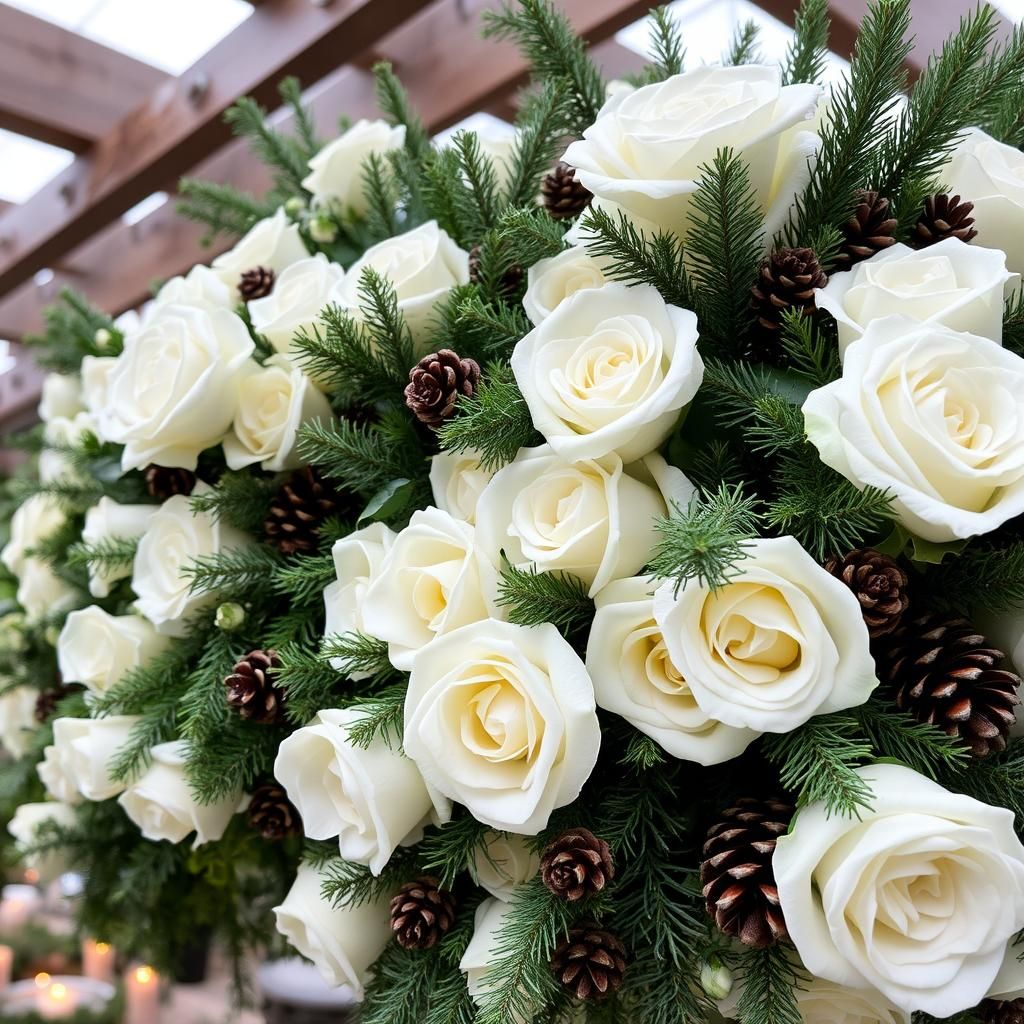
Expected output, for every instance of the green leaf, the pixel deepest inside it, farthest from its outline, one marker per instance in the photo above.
(389, 502)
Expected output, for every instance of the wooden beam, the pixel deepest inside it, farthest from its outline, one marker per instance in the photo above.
(61, 87)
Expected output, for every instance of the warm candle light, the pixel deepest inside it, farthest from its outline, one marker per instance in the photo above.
(18, 904)
(142, 996)
(144, 975)
(98, 960)
(6, 966)
(54, 1000)
(42, 980)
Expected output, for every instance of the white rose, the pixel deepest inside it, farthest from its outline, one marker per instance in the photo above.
(423, 265)
(991, 175)
(200, 288)
(930, 415)
(594, 519)
(825, 1002)
(274, 243)
(62, 396)
(163, 805)
(337, 171)
(108, 520)
(502, 719)
(55, 775)
(33, 521)
(17, 719)
(25, 826)
(274, 401)
(98, 649)
(300, 294)
(344, 941)
(634, 676)
(609, 371)
(41, 592)
(61, 433)
(647, 146)
(457, 480)
(917, 897)
(174, 390)
(96, 372)
(502, 863)
(950, 283)
(173, 540)
(483, 947)
(1009, 982)
(550, 282)
(357, 561)
(429, 584)
(372, 798)
(782, 641)
(85, 748)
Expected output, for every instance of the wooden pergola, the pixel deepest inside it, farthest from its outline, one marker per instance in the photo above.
(136, 130)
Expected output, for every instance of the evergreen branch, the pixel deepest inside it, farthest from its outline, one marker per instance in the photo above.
(394, 101)
(109, 555)
(309, 680)
(986, 576)
(243, 571)
(224, 209)
(997, 779)
(807, 53)
(537, 145)
(1013, 323)
(481, 204)
(380, 190)
(534, 598)
(529, 235)
(383, 717)
(743, 47)
(290, 92)
(811, 346)
(389, 333)
(240, 498)
(303, 578)
(769, 984)
(925, 748)
(448, 851)
(402, 987)
(488, 328)
(248, 120)
(359, 654)
(72, 326)
(347, 884)
(667, 50)
(642, 753)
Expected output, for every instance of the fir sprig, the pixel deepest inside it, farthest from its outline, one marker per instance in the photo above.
(530, 235)
(807, 53)
(667, 51)
(743, 46)
(109, 555)
(240, 498)
(534, 598)
(769, 982)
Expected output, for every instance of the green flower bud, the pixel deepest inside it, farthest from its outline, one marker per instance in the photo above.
(230, 616)
(102, 338)
(322, 229)
(716, 978)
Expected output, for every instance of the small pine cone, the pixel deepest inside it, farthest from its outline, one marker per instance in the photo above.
(256, 283)
(736, 871)
(163, 482)
(421, 913)
(251, 690)
(577, 864)
(511, 281)
(944, 672)
(869, 230)
(435, 384)
(590, 963)
(47, 701)
(272, 815)
(564, 196)
(299, 510)
(879, 584)
(1001, 1011)
(944, 216)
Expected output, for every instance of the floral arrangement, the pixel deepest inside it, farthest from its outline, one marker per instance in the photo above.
(570, 574)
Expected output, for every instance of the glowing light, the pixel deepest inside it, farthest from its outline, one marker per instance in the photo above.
(145, 975)
(42, 980)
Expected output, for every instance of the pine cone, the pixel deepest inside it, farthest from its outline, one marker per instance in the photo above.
(272, 814)
(736, 871)
(298, 511)
(577, 864)
(511, 281)
(787, 280)
(251, 690)
(47, 701)
(163, 482)
(868, 231)
(256, 283)
(590, 963)
(878, 583)
(944, 216)
(435, 384)
(421, 913)
(942, 671)
(1001, 1011)
(564, 196)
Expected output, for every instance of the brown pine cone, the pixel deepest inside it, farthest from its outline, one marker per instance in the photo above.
(577, 864)
(1001, 1011)
(47, 701)
(272, 815)
(878, 583)
(564, 196)
(163, 482)
(786, 281)
(944, 216)
(256, 283)
(511, 280)
(942, 671)
(736, 871)
(299, 510)
(435, 384)
(590, 963)
(251, 690)
(421, 913)
(869, 230)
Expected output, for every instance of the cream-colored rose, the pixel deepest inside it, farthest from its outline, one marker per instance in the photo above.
(951, 283)
(174, 539)
(344, 941)
(18, 719)
(300, 295)
(41, 592)
(825, 1002)
(915, 897)
(372, 798)
(501, 718)
(635, 677)
(175, 388)
(990, 174)
(550, 282)
(98, 649)
(274, 243)
(429, 584)
(609, 371)
(782, 641)
(274, 401)
(200, 288)
(86, 747)
(61, 434)
(457, 480)
(25, 827)
(423, 265)
(107, 520)
(647, 147)
(62, 396)
(337, 172)
(96, 372)
(55, 775)
(480, 955)
(594, 519)
(502, 863)
(934, 417)
(33, 521)
(163, 805)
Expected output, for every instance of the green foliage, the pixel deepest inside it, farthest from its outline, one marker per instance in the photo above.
(812, 347)
(110, 555)
(383, 717)
(224, 209)
(743, 47)
(987, 576)
(448, 851)
(533, 598)
(530, 235)
(358, 653)
(1013, 323)
(240, 498)
(769, 981)
(243, 572)
(71, 334)
(537, 147)
(807, 53)
(486, 328)
(394, 101)
(305, 136)
(284, 155)
(925, 748)
(381, 192)
(667, 50)
(997, 779)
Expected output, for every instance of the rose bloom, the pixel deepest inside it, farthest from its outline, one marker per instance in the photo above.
(61, 397)
(917, 897)
(551, 282)
(457, 480)
(33, 521)
(96, 372)
(108, 520)
(18, 719)
(950, 283)
(646, 149)
(483, 947)
(25, 827)
(934, 417)
(502, 863)
(200, 288)
(85, 748)
(273, 243)
(41, 592)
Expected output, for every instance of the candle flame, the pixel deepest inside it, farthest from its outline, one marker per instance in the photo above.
(31, 876)
(58, 992)
(42, 980)
(144, 975)
(102, 947)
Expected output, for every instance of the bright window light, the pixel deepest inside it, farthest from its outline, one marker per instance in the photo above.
(26, 165)
(144, 208)
(479, 122)
(1012, 9)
